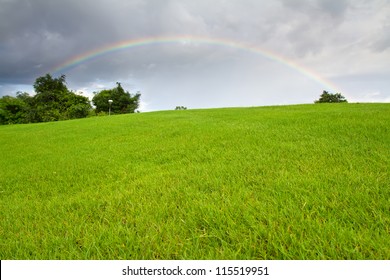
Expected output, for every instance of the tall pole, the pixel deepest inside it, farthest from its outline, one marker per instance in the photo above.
(109, 107)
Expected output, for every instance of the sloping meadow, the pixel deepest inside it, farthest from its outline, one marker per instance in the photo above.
(283, 182)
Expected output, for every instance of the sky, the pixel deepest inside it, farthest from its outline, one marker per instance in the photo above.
(200, 54)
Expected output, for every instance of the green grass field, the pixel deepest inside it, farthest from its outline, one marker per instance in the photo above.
(283, 182)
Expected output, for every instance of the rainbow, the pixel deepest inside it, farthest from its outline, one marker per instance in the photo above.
(140, 42)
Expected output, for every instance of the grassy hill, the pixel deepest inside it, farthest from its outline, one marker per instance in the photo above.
(283, 182)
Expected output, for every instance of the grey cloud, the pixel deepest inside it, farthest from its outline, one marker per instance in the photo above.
(333, 8)
(383, 44)
(310, 26)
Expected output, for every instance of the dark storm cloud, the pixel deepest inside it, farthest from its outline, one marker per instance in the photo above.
(44, 33)
(30, 38)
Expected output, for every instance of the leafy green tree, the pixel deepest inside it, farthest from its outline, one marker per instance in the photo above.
(78, 106)
(331, 98)
(25, 97)
(19, 109)
(122, 101)
(54, 101)
(50, 86)
(13, 110)
(29, 106)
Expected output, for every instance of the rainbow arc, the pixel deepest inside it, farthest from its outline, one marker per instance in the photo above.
(185, 40)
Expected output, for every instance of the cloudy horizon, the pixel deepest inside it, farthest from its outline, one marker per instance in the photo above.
(341, 45)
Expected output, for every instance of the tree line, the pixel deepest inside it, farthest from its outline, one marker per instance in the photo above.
(53, 101)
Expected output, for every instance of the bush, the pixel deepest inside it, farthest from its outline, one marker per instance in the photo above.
(331, 98)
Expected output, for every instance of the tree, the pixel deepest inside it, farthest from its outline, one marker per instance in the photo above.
(13, 110)
(48, 84)
(78, 107)
(53, 101)
(123, 101)
(331, 98)
(180, 108)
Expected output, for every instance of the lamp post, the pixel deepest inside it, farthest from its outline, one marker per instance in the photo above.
(109, 107)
